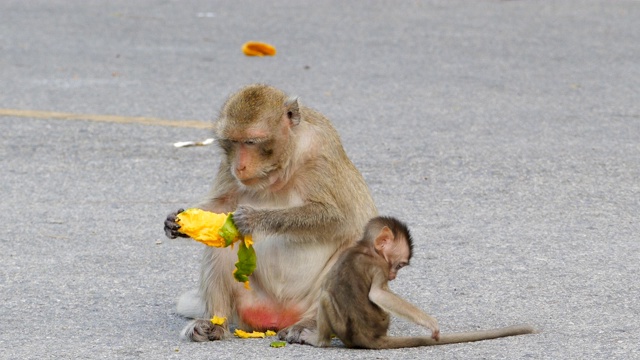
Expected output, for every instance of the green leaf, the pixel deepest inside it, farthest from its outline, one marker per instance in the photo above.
(278, 344)
(228, 231)
(246, 262)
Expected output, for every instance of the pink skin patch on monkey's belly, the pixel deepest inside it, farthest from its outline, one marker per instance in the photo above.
(264, 317)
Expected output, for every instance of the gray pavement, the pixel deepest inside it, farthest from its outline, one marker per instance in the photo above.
(506, 133)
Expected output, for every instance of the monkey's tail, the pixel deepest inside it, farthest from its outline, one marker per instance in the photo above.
(484, 334)
(392, 342)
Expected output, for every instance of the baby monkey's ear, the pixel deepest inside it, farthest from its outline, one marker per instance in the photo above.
(385, 238)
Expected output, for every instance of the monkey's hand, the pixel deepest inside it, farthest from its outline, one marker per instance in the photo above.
(432, 324)
(171, 227)
(435, 334)
(245, 218)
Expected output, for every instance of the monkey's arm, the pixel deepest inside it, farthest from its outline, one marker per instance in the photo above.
(311, 215)
(380, 295)
(322, 207)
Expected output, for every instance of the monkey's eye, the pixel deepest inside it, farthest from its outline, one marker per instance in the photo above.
(400, 266)
(266, 148)
(266, 152)
(250, 142)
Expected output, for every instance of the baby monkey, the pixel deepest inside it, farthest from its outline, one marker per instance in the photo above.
(356, 301)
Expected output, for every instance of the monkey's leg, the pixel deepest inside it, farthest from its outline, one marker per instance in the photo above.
(293, 333)
(321, 337)
(214, 297)
(324, 324)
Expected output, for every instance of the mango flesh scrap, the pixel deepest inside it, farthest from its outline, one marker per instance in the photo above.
(256, 334)
(256, 48)
(216, 320)
(245, 335)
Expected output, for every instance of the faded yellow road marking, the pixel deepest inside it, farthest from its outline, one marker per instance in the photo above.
(105, 118)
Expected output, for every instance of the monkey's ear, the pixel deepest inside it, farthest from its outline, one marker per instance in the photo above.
(292, 109)
(385, 237)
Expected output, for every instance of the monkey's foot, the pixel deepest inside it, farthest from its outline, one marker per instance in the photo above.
(310, 337)
(203, 330)
(293, 333)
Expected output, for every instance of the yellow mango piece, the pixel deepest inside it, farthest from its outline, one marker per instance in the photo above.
(256, 48)
(203, 226)
(270, 333)
(248, 240)
(218, 320)
(246, 335)
(219, 230)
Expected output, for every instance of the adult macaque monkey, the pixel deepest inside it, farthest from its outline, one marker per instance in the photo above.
(288, 180)
(355, 301)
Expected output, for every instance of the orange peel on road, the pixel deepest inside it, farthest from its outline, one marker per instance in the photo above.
(256, 48)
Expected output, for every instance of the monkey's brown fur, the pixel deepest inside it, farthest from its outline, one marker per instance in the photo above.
(355, 301)
(289, 182)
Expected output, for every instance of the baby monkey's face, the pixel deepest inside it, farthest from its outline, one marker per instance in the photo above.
(397, 255)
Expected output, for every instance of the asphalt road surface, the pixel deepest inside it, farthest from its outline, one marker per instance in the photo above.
(506, 133)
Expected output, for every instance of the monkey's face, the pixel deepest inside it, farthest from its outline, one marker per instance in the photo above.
(255, 157)
(395, 250)
(397, 255)
(249, 159)
(254, 130)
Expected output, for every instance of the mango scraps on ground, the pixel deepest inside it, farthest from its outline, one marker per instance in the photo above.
(253, 335)
(256, 48)
(219, 230)
(216, 320)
